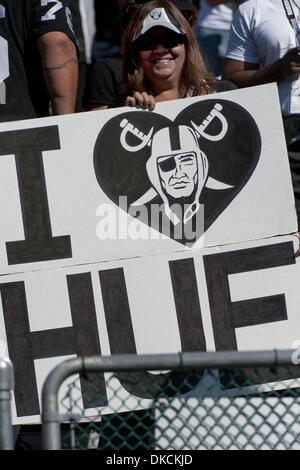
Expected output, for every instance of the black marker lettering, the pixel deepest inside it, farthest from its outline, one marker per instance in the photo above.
(24, 346)
(28, 146)
(121, 339)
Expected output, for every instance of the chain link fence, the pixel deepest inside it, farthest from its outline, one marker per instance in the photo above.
(191, 401)
(6, 389)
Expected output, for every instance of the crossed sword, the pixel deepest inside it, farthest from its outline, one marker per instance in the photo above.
(211, 183)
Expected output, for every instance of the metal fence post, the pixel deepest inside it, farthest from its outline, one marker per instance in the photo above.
(6, 387)
(51, 419)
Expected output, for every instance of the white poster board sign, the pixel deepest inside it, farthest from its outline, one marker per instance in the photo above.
(110, 218)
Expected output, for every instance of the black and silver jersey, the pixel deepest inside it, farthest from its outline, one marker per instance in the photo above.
(23, 93)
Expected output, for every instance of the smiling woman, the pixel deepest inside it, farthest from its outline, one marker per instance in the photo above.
(162, 57)
(162, 60)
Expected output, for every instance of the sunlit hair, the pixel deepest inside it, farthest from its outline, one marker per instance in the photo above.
(194, 72)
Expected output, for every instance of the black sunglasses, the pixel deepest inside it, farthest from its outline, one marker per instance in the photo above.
(149, 42)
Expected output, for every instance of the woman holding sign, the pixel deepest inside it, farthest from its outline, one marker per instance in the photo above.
(162, 60)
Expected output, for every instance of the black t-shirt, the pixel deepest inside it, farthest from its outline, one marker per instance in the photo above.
(104, 83)
(22, 89)
(105, 87)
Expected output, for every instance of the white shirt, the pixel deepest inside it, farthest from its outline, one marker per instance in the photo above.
(218, 17)
(88, 22)
(261, 33)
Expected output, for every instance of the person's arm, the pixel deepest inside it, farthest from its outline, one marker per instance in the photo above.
(244, 74)
(60, 68)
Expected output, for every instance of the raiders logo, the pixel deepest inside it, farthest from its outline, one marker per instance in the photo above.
(178, 176)
(156, 14)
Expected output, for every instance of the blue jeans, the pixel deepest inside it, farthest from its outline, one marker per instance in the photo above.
(213, 46)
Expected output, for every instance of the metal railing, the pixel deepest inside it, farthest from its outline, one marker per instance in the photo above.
(6, 388)
(205, 400)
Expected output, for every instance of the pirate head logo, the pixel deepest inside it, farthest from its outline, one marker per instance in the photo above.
(178, 177)
(177, 169)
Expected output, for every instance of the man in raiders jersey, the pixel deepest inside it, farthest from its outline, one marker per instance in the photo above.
(38, 59)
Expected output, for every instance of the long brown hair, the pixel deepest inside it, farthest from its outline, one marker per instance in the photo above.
(194, 73)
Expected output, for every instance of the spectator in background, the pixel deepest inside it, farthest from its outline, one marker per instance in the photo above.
(108, 28)
(105, 78)
(212, 33)
(264, 47)
(83, 15)
(234, 3)
(38, 59)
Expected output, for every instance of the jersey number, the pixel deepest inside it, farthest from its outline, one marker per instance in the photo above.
(50, 15)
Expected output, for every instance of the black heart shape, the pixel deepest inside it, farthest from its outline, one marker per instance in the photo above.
(122, 172)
